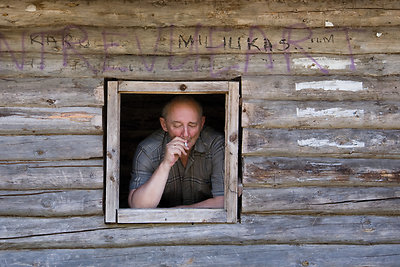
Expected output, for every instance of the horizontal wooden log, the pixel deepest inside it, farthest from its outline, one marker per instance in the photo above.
(285, 172)
(191, 13)
(171, 215)
(51, 92)
(330, 88)
(321, 114)
(91, 232)
(251, 255)
(203, 40)
(77, 174)
(28, 120)
(51, 203)
(338, 200)
(195, 67)
(349, 143)
(52, 147)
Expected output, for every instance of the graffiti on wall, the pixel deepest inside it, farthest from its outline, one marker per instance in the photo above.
(97, 50)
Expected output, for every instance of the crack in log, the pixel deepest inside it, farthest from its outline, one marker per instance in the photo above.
(31, 194)
(50, 234)
(355, 201)
(62, 233)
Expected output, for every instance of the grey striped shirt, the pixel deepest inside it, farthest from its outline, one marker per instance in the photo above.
(202, 178)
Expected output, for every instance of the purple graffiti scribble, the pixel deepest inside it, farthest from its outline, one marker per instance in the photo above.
(11, 52)
(106, 45)
(346, 32)
(258, 45)
(211, 47)
(295, 43)
(68, 45)
(250, 43)
(155, 49)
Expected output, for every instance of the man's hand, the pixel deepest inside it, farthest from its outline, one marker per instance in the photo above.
(215, 202)
(174, 150)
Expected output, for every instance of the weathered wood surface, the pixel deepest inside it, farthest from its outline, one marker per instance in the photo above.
(285, 172)
(349, 143)
(51, 203)
(152, 87)
(91, 232)
(51, 92)
(197, 66)
(192, 13)
(69, 174)
(29, 120)
(323, 200)
(330, 88)
(185, 215)
(113, 154)
(297, 39)
(251, 255)
(321, 114)
(232, 141)
(51, 147)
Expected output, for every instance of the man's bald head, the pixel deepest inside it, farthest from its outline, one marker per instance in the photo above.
(182, 99)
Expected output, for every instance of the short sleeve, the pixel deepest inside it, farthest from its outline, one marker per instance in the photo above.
(142, 169)
(218, 169)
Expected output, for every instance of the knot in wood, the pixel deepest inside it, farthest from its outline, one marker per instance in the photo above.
(305, 263)
(182, 87)
(233, 137)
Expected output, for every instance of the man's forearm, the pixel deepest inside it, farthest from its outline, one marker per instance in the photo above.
(149, 194)
(215, 202)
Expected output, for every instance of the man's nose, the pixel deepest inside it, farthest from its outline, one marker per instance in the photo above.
(185, 131)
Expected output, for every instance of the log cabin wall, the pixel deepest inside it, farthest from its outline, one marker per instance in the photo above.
(320, 128)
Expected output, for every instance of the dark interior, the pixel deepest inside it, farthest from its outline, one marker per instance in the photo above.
(140, 117)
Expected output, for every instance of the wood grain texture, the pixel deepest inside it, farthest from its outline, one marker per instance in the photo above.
(112, 179)
(321, 114)
(51, 92)
(318, 191)
(349, 143)
(192, 13)
(299, 38)
(197, 67)
(68, 174)
(337, 200)
(186, 215)
(302, 171)
(29, 120)
(51, 147)
(51, 203)
(252, 255)
(91, 232)
(317, 88)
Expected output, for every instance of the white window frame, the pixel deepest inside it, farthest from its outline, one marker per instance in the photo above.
(113, 214)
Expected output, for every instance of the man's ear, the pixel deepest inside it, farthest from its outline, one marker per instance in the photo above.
(163, 124)
(203, 120)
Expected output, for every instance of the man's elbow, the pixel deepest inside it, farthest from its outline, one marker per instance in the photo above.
(136, 203)
(219, 201)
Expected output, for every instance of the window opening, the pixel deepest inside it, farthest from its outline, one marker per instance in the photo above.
(127, 125)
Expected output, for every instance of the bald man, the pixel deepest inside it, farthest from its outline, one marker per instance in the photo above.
(180, 165)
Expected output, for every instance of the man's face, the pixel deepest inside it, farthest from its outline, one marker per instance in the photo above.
(183, 120)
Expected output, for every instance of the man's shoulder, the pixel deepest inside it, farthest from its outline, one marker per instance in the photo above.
(153, 142)
(210, 138)
(209, 134)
